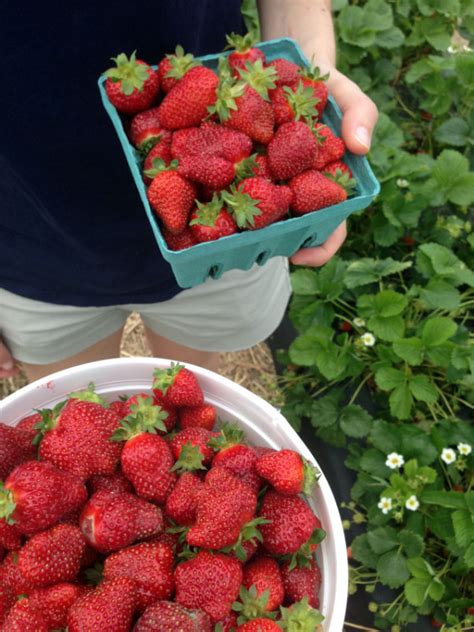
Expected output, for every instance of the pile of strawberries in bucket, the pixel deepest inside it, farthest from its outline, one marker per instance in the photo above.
(229, 150)
(150, 514)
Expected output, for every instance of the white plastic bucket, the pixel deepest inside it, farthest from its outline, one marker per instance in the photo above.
(262, 423)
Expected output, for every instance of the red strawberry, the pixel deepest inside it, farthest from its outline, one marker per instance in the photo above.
(132, 86)
(252, 114)
(228, 623)
(286, 71)
(186, 104)
(171, 196)
(10, 537)
(112, 521)
(259, 625)
(337, 169)
(234, 455)
(52, 556)
(294, 103)
(203, 416)
(149, 565)
(11, 578)
(146, 130)
(167, 616)
(185, 141)
(181, 504)
(13, 449)
(146, 458)
(78, 439)
(197, 438)
(264, 574)
(211, 221)
(211, 138)
(292, 150)
(37, 495)
(313, 191)
(172, 68)
(108, 608)
(330, 148)
(212, 171)
(256, 202)
(178, 386)
(312, 77)
(160, 151)
(302, 582)
(120, 408)
(291, 525)
(53, 602)
(210, 582)
(24, 617)
(262, 167)
(3, 552)
(28, 426)
(287, 472)
(244, 52)
(182, 240)
(152, 415)
(115, 482)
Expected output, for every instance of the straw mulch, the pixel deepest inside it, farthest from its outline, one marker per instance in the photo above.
(252, 368)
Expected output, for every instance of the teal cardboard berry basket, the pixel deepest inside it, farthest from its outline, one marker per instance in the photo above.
(195, 265)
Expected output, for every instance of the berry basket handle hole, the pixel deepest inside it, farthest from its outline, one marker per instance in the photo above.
(309, 241)
(215, 271)
(263, 257)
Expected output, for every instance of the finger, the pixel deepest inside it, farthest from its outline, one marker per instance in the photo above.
(315, 257)
(7, 363)
(359, 113)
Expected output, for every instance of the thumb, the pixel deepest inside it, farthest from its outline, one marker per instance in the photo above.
(359, 112)
(7, 363)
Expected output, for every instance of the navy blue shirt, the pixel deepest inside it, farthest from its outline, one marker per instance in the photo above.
(72, 227)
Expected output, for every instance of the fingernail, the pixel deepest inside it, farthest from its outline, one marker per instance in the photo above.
(7, 366)
(363, 136)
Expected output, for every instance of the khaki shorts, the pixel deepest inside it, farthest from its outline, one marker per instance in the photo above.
(235, 312)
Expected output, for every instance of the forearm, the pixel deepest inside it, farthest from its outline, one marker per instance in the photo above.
(307, 21)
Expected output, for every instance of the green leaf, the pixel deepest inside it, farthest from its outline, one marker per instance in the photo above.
(455, 131)
(388, 328)
(437, 31)
(465, 69)
(439, 294)
(423, 389)
(469, 555)
(362, 552)
(382, 539)
(416, 590)
(373, 462)
(353, 27)
(413, 543)
(385, 437)
(438, 330)
(332, 361)
(325, 411)
(366, 270)
(331, 278)
(436, 589)
(304, 282)
(390, 303)
(434, 258)
(454, 182)
(392, 569)
(420, 569)
(412, 350)
(401, 402)
(389, 378)
(355, 421)
(463, 527)
(391, 38)
(450, 500)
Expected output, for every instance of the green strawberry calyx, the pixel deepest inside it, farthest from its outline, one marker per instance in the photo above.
(310, 477)
(313, 73)
(229, 435)
(190, 459)
(180, 63)
(207, 214)
(252, 605)
(259, 78)
(242, 207)
(301, 616)
(159, 165)
(249, 531)
(49, 421)
(302, 101)
(246, 167)
(7, 504)
(228, 90)
(305, 554)
(131, 74)
(164, 378)
(343, 179)
(149, 419)
(89, 395)
(241, 43)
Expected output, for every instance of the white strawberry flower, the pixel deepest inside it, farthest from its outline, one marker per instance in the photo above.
(412, 503)
(385, 504)
(359, 322)
(394, 460)
(448, 455)
(402, 183)
(368, 339)
(464, 448)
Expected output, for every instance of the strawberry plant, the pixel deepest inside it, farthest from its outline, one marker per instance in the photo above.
(390, 319)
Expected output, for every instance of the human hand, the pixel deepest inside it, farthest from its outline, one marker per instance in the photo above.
(8, 367)
(358, 122)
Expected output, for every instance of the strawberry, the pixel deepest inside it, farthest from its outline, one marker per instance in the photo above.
(11, 578)
(132, 85)
(13, 449)
(264, 587)
(36, 495)
(291, 525)
(196, 438)
(287, 472)
(337, 168)
(185, 142)
(256, 202)
(28, 427)
(212, 171)
(210, 581)
(292, 150)
(313, 191)
(224, 506)
(172, 68)
(152, 415)
(186, 104)
(211, 138)
(182, 240)
(286, 71)
(119, 407)
(203, 416)
(244, 52)
(24, 617)
(10, 537)
(167, 616)
(3, 552)
(7, 599)
(161, 151)
(301, 616)
(77, 439)
(149, 565)
(228, 623)
(53, 602)
(211, 221)
(330, 148)
(170, 195)
(115, 482)
(181, 504)
(293, 103)
(112, 521)
(234, 455)
(302, 582)
(178, 386)
(108, 608)
(262, 168)
(312, 78)
(146, 130)
(259, 625)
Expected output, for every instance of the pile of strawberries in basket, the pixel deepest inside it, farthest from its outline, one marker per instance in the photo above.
(149, 514)
(231, 150)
